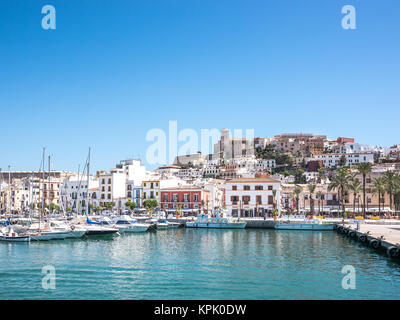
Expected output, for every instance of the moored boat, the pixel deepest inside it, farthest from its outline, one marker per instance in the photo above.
(126, 224)
(220, 221)
(306, 224)
(11, 236)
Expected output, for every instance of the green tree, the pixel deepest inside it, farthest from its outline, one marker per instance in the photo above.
(110, 205)
(52, 207)
(297, 191)
(311, 190)
(340, 182)
(364, 168)
(354, 187)
(131, 205)
(379, 188)
(396, 193)
(150, 204)
(299, 177)
(320, 194)
(390, 178)
(342, 161)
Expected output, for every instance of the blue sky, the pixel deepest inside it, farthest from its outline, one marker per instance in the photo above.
(113, 70)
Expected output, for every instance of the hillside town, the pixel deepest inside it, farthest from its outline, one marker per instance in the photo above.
(290, 173)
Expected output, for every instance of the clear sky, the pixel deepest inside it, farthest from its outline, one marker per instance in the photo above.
(113, 70)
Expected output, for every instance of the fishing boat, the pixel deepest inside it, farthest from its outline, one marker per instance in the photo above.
(306, 224)
(11, 236)
(220, 221)
(126, 224)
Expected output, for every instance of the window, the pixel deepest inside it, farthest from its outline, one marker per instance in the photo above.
(234, 199)
(175, 197)
(246, 199)
(165, 197)
(269, 187)
(246, 187)
(258, 200)
(234, 187)
(270, 200)
(186, 197)
(109, 181)
(129, 194)
(196, 198)
(258, 188)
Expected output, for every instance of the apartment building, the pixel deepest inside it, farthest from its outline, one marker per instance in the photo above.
(74, 193)
(252, 197)
(189, 199)
(152, 188)
(333, 159)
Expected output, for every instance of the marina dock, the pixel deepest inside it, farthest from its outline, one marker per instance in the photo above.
(382, 237)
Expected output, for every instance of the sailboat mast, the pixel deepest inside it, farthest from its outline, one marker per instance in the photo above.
(42, 211)
(49, 178)
(1, 199)
(9, 187)
(87, 187)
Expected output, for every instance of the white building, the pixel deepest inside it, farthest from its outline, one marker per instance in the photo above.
(73, 193)
(333, 159)
(252, 197)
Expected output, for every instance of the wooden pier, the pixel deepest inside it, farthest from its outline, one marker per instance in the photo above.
(379, 237)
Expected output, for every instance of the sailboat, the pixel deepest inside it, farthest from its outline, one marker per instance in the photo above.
(11, 236)
(95, 228)
(41, 231)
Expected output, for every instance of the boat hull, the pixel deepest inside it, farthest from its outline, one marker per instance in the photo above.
(45, 236)
(211, 225)
(305, 226)
(133, 229)
(15, 239)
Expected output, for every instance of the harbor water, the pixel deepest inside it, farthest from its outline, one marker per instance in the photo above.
(199, 264)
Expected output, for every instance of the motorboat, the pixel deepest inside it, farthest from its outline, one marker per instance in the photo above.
(306, 224)
(220, 221)
(168, 224)
(9, 235)
(127, 224)
(100, 228)
(74, 232)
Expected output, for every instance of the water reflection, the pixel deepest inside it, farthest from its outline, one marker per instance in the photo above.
(199, 264)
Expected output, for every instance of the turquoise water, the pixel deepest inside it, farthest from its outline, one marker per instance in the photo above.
(199, 264)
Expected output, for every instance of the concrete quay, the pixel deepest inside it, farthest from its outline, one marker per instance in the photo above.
(385, 238)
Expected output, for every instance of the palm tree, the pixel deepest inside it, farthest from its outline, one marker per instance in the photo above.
(355, 188)
(340, 181)
(320, 194)
(379, 187)
(311, 189)
(297, 190)
(396, 193)
(364, 168)
(390, 180)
